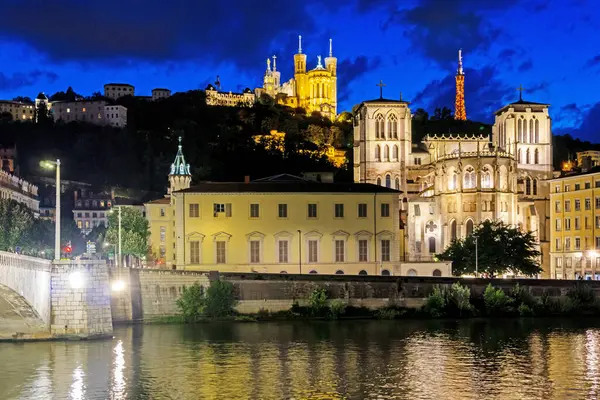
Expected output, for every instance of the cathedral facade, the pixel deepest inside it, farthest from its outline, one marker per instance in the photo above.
(312, 89)
(451, 183)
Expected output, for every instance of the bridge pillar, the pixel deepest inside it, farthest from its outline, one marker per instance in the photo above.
(80, 296)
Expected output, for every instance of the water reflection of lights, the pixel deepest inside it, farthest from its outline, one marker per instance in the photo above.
(592, 360)
(77, 387)
(118, 384)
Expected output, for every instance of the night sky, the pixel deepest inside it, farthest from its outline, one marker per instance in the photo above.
(551, 47)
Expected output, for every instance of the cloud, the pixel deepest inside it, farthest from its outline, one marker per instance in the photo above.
(117, 31)
(20, 79)
(525, 66)
(484, 93)
(350, 70)
(580, 121)
(540, 87)
(438, 28)
(592, 62)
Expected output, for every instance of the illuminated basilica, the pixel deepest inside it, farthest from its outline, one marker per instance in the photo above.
(313, 90)
(451, 183)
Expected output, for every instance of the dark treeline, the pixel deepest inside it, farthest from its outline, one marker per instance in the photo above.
(217, 141)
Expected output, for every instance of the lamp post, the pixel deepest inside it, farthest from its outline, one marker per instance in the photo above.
(476, 257)
(118, 256)
(300, 250)
(51, 165)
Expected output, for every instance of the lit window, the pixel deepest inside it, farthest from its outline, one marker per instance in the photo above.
(83, 109)
(221, 252)
(255, 252)
(68, 110)
(283, 251)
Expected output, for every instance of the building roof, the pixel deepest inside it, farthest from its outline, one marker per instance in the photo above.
(163, 200)
(382, 100)
(166, 90)
(118, 84)
(286, 186)
(593, 170)
(521, 102)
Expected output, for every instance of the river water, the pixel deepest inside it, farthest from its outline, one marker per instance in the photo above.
(501, 359)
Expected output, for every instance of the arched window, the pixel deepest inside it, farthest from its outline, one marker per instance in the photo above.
(379, 126)
(339, 272)
(388, 181)
(453, 230)
(392, 127)
(519, 159)
(397, 183)
(385, 272)
(469, 227)
(386, 153)
(486, 180)
(437, 272)
(452, 181)
(527, 186)
(377, 153)
(431, 241)
(525, 136)
(363, 272)
(395, 153)
(531, 132)
(469, 181)
(313, 272)
(527, 159)
(536, 156)
(535, 185)
(537, 130)
(412, 272)
(520, 130)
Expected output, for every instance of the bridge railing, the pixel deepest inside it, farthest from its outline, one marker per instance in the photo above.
(30, 278)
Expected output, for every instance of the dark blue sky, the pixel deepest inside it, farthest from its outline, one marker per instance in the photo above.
(552, 47)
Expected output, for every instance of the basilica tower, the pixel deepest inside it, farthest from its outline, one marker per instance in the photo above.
(460, 113)
(331, 66)
(180, 176)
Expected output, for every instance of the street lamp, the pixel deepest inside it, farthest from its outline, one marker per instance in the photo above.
(106, 244)
(52, 165)
(476, 256)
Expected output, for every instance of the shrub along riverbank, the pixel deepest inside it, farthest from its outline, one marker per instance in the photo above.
(218, 303)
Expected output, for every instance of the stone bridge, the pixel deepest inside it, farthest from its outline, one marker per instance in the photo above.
(44, 300)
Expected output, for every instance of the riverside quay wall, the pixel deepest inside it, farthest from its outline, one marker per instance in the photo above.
(140, 294)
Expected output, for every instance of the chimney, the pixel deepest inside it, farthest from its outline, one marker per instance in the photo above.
(247, 179)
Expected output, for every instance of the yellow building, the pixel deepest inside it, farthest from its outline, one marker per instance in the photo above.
(575, 226)
(280, 224)
(593, 155)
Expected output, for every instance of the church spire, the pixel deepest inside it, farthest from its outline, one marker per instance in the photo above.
(330, 48)
(299, 44)
(460, 112)
(179, 167)
(180, 177)
(274, 63)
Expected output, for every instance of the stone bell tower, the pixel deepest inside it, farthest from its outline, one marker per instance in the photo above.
(180, 176)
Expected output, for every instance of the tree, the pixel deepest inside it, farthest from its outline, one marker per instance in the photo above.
(43, 115)
(16, 220)
(135, 231)
(22, 99)
(501, 249)
(440, 114)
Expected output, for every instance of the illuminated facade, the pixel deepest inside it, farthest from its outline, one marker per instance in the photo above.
(15, 188)
(460, 112)
(451, 183)
(593, 155)
(313, 90)
(117, 90)
(280, 224)
(575, 226)
(17, 110)
(275, 141)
